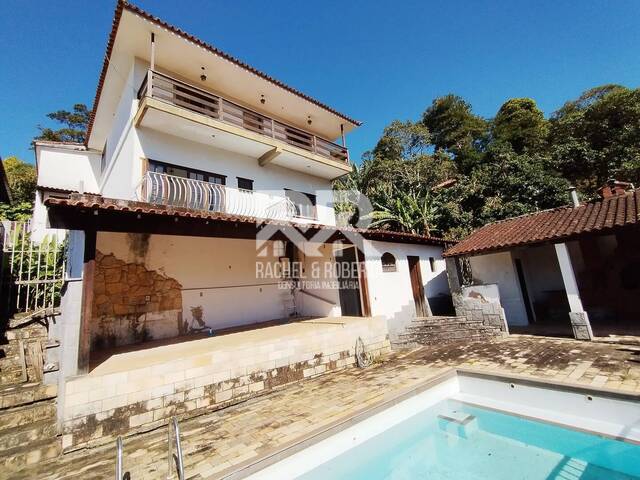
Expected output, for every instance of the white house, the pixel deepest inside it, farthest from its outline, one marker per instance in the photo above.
(205, 260)
(569, 271)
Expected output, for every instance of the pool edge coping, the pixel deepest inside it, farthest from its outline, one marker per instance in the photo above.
(251, 466)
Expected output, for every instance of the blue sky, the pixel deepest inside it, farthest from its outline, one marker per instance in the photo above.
(374, 60)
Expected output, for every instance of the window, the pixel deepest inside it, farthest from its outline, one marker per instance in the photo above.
(432, 263)
(388, 262)
(245, 183)
(305, 203)
(183, 172)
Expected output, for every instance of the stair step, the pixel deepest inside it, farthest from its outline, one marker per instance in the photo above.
(17, 416)
(25, 393)
(25, 435)
(15, 458)
(448, 326)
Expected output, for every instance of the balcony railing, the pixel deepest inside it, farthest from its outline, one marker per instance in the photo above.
(163, 189)
(168, 89)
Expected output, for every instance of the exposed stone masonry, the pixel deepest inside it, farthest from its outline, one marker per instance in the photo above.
(133, 304)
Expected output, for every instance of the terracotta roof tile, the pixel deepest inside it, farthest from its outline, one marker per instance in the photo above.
(552, 225)
(97, 202)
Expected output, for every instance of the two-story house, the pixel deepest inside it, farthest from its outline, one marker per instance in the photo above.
(205, 264)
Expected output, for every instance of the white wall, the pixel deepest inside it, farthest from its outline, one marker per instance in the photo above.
(64, 168)
(541, 271)
(123, 164)
(390, 292)
(498, 268)
(68, 169)
(219, 275)
(319, 281)
(127, 145)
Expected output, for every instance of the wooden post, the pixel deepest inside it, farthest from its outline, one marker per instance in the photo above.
(344, 141)
(364, 286)
(88, 277)
(152, 61)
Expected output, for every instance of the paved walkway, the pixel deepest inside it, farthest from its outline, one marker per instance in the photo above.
(215, 443)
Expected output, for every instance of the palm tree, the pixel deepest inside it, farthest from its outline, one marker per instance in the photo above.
(406, 212)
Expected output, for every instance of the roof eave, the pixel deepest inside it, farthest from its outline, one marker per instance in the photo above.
(123, 4)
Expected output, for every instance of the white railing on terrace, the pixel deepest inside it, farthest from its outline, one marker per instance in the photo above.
(176, 92)
(163, 189)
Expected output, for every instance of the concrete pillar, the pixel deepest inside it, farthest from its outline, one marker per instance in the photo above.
(579, 318)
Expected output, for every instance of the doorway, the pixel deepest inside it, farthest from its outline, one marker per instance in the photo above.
(349, 283)
(417, 287)
(525, 291)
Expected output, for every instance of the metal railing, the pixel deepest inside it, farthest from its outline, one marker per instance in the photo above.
(176, 92)
(163, 189)
(31, 272)
(119, 464)
(175, 460)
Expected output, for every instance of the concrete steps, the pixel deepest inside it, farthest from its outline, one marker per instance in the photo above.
(442, 330)
(28, 411)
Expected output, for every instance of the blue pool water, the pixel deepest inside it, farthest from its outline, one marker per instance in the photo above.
(476, 443)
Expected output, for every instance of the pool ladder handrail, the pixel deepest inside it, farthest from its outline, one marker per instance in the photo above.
(173, 427)
(119, 464)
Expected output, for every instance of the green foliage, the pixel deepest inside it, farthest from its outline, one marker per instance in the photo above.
(597, 137)
(520, 123)
(41, 266)
(453, 171)
(22, 179)
(75, 125)
(406, 212)
(455, 129)
(16, 211)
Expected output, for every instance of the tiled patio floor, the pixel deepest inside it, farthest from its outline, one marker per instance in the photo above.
(215, 443)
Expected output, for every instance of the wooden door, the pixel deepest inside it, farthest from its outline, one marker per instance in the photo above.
(349, 285)
(417, 288)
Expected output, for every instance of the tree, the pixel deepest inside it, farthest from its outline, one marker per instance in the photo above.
(406, 212)
(21, 177)
(597, 137)
(520, 123)
(75, 125)
(455, 129)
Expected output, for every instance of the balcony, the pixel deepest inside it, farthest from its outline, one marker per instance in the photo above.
(163, 189)
(236, 128)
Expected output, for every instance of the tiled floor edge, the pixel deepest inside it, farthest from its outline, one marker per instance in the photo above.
(251, 466)
(562, 386)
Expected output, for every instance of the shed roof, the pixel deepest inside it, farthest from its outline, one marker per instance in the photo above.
(553, 225)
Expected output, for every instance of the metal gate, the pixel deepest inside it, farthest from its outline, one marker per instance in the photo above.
(31, 272)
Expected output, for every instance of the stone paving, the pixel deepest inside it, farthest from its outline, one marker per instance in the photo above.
(215, 444)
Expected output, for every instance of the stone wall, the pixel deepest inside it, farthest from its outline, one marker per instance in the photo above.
(133, 304)
(142, 390)
(476, 302)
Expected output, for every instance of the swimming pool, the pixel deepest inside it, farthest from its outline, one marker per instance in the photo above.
(454, 440)
(473, 426)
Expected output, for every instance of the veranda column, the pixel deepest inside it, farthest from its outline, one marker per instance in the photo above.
(579, 318)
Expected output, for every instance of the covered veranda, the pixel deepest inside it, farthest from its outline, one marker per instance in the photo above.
(175, 313)
(571, 271)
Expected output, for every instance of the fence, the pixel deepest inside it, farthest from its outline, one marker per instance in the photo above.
(31, 273)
